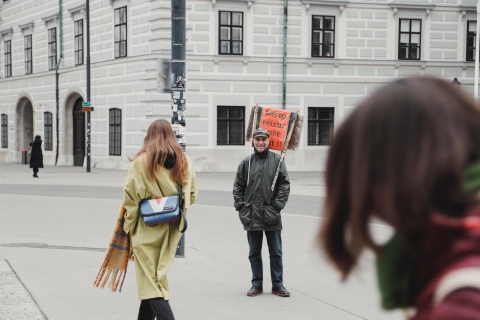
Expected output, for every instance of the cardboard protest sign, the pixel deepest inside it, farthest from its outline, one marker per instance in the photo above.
(276, 122)
(281, 124)
(285, 128)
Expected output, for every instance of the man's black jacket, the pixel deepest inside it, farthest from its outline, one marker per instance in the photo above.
(259, 207)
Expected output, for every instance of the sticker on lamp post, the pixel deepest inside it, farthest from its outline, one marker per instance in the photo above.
(86, 107)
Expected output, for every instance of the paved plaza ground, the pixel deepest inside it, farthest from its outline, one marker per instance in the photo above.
(54, 231)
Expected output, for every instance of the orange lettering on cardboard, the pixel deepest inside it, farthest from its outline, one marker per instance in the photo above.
(276, 122)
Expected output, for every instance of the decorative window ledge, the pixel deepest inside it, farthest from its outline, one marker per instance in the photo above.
(80, 10)
(341, 4)
(249, 2)
(6, 32)
(26, 27)
(51, 18)
(463, 9)
(112, 2)
(396, 5)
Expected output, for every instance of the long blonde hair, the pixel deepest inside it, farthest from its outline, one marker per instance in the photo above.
(158, 143)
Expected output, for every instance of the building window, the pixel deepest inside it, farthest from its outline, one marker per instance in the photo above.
(52, 48)
(409, 39)
(471, 35)
(8, 58)
(231, 33)
(48, 130)
(115, 132)
(323, 36)
(4, 131)
(28, 54)
(230, 125)
(121, 32)
(320, 126)
(78, 33)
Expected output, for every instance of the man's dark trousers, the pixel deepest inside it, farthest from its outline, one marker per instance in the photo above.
(274, 241)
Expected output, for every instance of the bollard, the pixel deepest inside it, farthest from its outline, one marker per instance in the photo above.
(24, 156)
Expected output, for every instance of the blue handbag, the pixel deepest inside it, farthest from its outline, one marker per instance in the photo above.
(164, 210)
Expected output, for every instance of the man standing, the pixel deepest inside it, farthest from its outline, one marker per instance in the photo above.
(259, 210)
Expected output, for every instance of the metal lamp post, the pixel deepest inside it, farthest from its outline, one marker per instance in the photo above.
(86, 107)
(179, 84)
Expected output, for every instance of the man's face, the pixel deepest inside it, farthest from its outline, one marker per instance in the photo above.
(261, 143)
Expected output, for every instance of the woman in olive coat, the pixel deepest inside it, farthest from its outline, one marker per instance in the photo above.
(36, 156)
(155, 172)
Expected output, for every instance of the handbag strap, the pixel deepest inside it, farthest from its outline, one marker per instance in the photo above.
(182, 215)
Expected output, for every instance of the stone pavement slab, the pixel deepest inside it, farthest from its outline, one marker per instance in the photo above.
(16, 303)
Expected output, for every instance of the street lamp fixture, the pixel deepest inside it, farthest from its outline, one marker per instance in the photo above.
(456, 83)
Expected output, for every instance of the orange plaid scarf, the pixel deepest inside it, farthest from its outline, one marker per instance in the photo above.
(118, 253)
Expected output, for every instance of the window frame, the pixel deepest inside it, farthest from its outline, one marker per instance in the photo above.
(52, 48)
(409, 45)
(4, 130)
(231, 27)
(314, 138)
(48, 130)
(227, 122)
(470, 33)
(27, 40)
(119, 42)
(115, 132)
(77, 41)
(7, 58)
(323, 31)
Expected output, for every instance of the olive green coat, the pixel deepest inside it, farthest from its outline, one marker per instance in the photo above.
(153, 247)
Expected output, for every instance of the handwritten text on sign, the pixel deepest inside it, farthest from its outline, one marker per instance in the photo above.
(276, 122)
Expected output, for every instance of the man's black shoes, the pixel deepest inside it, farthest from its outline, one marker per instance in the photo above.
(255, 291)
(278, 290)
(281, 291)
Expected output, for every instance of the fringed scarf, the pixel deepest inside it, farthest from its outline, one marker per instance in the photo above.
(118, 253)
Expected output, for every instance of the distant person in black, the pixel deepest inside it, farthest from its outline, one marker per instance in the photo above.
(36, 156)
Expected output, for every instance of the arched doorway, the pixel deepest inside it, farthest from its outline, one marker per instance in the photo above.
(78, 133)
(24, 124)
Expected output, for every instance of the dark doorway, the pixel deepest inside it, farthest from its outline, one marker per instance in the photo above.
(78, 134)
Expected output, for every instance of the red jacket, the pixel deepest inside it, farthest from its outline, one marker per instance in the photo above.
(449, 244)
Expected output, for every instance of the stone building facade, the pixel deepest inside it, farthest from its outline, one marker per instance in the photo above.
(337, 52)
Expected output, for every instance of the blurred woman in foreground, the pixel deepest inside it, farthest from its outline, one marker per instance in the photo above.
(409, 155)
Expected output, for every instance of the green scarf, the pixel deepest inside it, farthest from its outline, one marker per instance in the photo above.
(395, 265)
(472, 178)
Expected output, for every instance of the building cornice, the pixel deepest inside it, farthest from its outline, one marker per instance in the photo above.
(52, 17)
(396, 5)
(340, 3)
(464, 8)
(249, 2)
(111, 2)
(81, 9)
(6, 32)
(26, 26)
